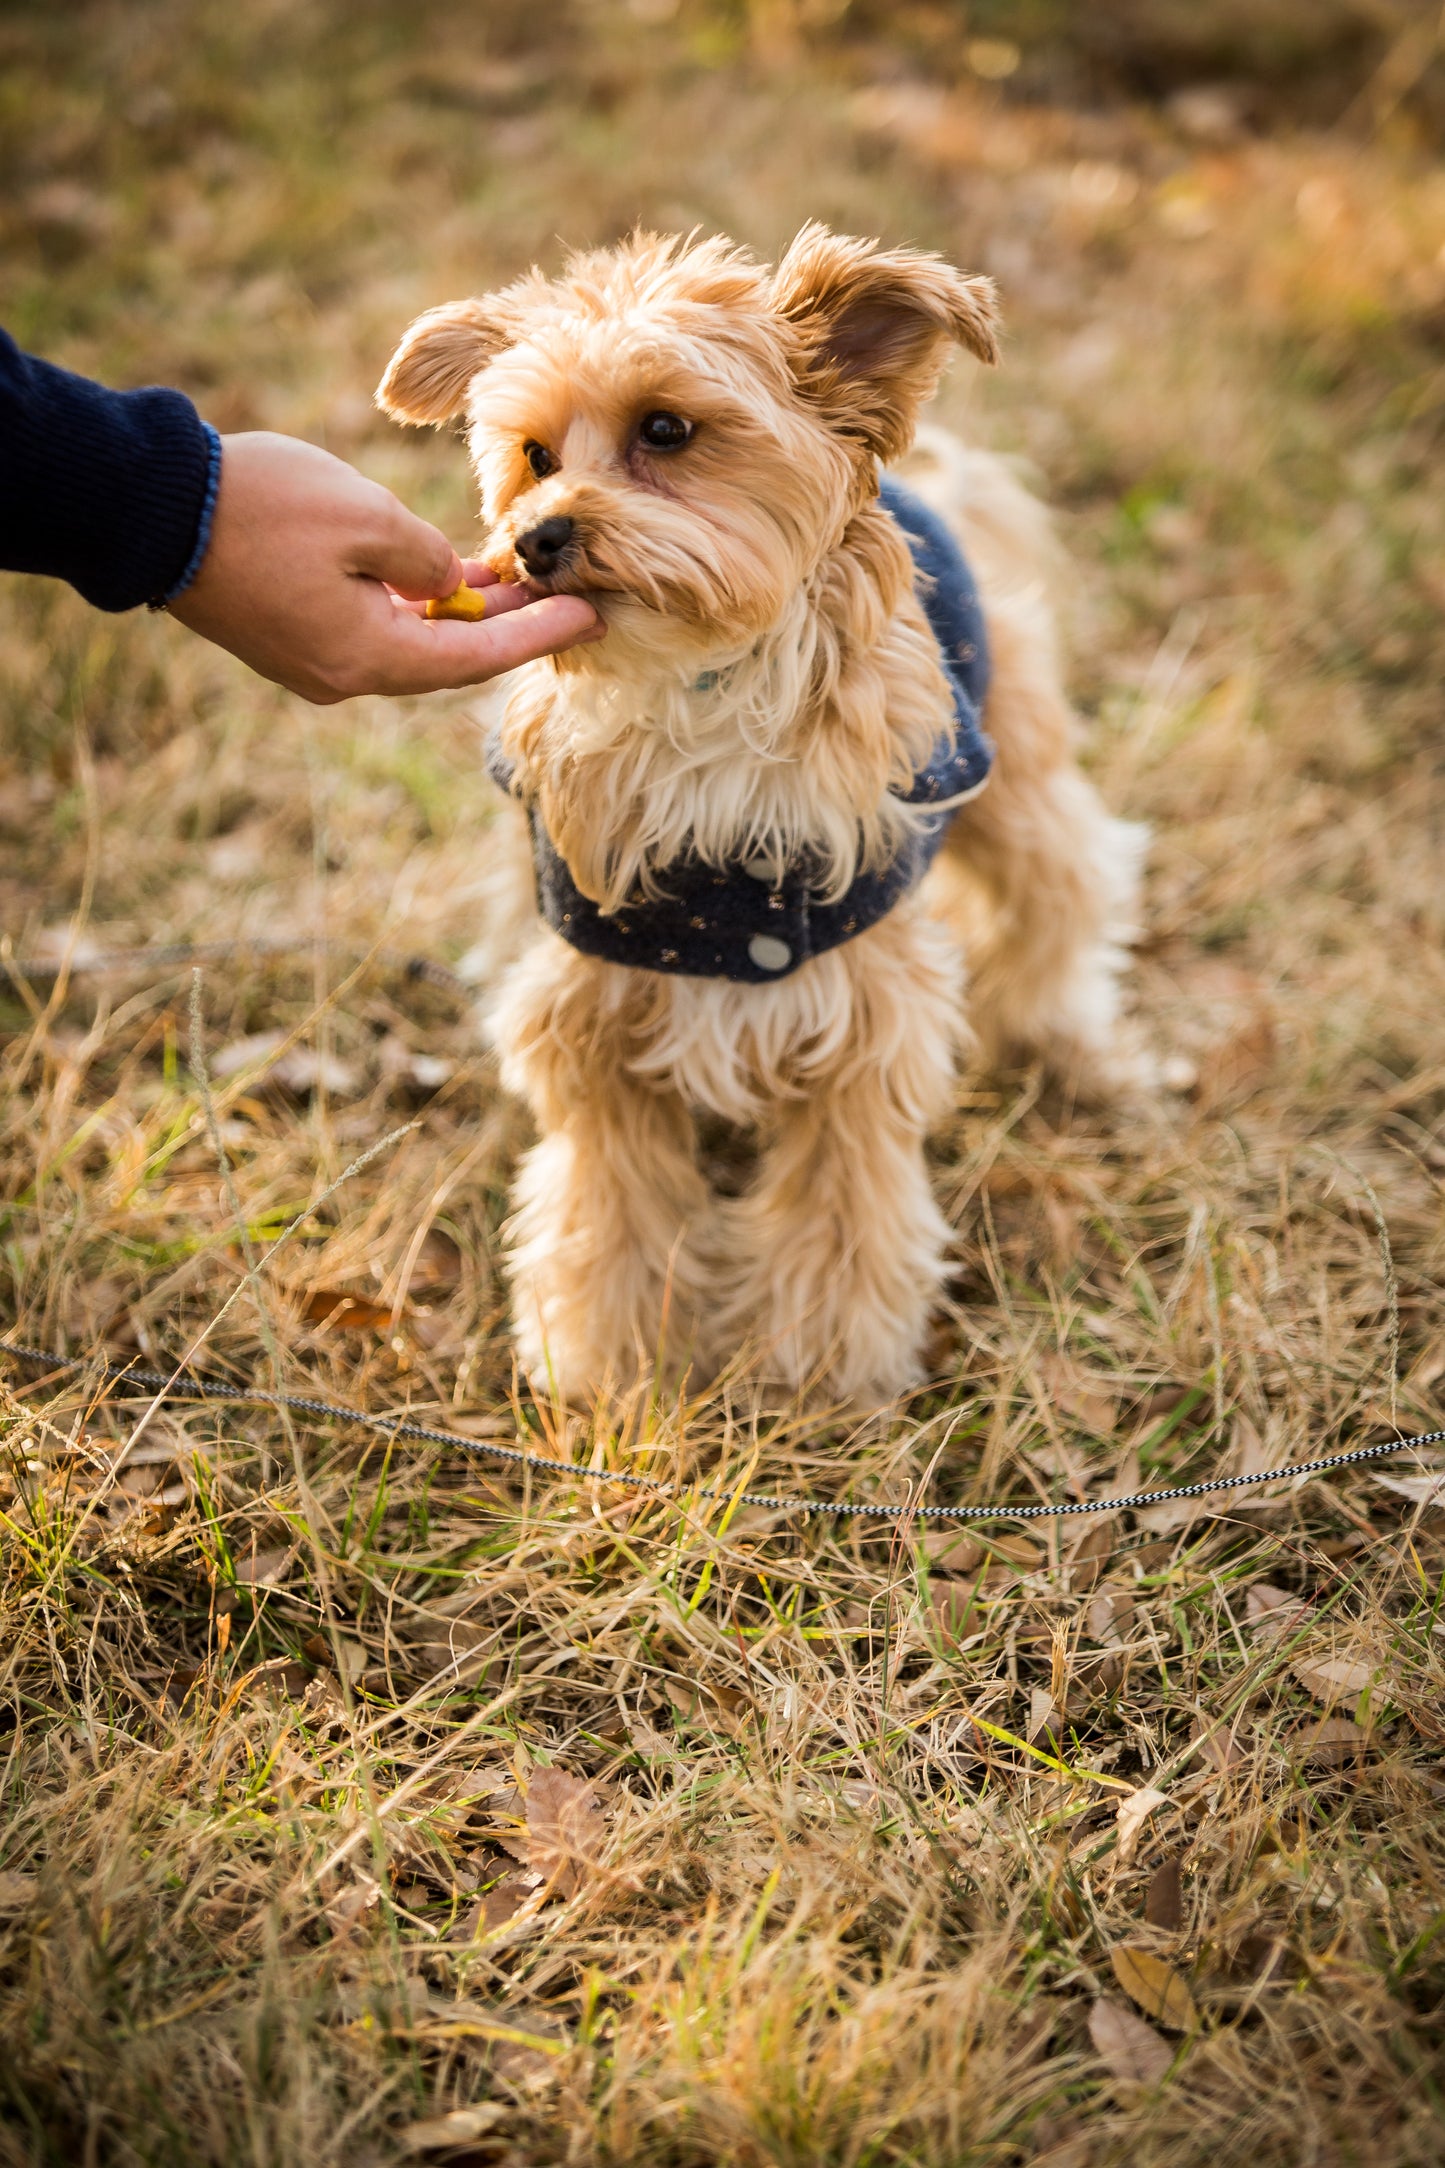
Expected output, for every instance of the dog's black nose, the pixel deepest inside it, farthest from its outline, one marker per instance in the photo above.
(541, 547)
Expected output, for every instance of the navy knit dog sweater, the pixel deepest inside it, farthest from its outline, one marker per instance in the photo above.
(733, 923)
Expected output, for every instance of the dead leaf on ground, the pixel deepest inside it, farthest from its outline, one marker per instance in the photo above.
(1217, 1742)
(404, 1065)
(521, 2064)
(301, 1069)
(179, 1684)
(1173, 1515)
(951, 1550)
(1110, 1616)
(953, 1604)
(495, 1905)
(1133, 1812)
(564, 1829)
(1164, 1899)
(148, 1453)
(1259, 1958)
(438, 1266)
(352, 1904)
(1331, 1741)
(263, 1569)
(1421, 1490)
(285, 1680)
(1248, 1455)
(1274, 1613)
(1087, 1400)
(343, 1312)
(1331, 1678)
(1132, 2050)
(1089, 1553)
(241, 1054)
(462, 2126)
(349, 1656)
(1016, 1549)
(305, 1069)
(1155, 1986)
(1045, 1717)
(707, 1702)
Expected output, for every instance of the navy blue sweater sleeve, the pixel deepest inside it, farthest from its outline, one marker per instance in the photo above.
(109, 490)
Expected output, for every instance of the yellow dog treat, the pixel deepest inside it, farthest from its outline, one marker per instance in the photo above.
(468, 602)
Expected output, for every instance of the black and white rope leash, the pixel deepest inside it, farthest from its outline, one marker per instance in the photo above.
(395, 1426)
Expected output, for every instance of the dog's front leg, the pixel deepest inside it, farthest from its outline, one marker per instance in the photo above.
(610, 1209)
(837, 1251)
(845, 1246)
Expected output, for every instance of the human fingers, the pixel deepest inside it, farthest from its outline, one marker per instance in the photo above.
(431, 655)
(406, 553)
(501, 597)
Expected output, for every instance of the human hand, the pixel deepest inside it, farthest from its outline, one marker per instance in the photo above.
(310, 569)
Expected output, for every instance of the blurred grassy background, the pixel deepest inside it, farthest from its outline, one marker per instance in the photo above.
(838, 1925)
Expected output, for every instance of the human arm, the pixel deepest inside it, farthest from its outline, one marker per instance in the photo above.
(265, 545)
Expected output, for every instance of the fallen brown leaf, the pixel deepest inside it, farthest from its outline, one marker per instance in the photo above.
(952, 1604)
(244, 1053)
(1164, 1899)
(1174, 1514)
(503, 1900)
(1110, 1616)
(263, 1569)
(1331, 1678)
(1133, 1812)
(352, 1904)
(950, 1550)
(1218, 1743)
(289, 1681)
(1273, 1612)
(349, 1655)
(1087, 1557)
(1155, 1986)
(1421, 1490)
(1044, 1715)
(341, 1312)
(1016, 1549)
(1133, 2051)
(460, 2127)
(706, 1701)
(564, 1828)
(438, 1266)
(1259, 1958)
(1331, 1740)
(403, 1064)
(1091, 1404)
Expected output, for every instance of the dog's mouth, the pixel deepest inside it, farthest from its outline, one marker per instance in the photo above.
(565, 581)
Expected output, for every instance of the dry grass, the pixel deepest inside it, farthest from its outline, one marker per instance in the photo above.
(281, 1872)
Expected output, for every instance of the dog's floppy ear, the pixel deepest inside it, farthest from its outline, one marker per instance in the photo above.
(427, 377)
(876, 325)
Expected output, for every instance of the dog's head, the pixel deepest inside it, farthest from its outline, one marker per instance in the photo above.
(678, 432)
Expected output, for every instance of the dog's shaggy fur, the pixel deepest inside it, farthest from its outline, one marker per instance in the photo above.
(768, 683)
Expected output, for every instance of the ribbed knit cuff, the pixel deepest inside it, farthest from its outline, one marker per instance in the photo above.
(203, 531)
(102, 488)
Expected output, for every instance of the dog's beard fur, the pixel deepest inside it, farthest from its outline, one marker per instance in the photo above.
(768, 683)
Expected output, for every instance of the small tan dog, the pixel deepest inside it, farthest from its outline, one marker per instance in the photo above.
(693, 440)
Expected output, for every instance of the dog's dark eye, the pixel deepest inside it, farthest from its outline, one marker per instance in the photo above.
(664, 432)
(540, 460)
